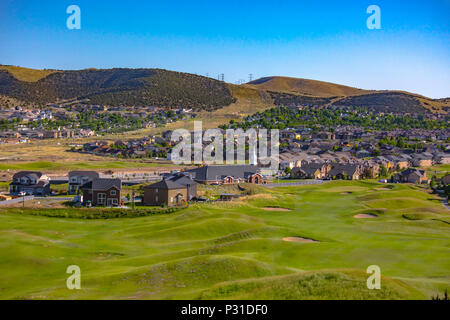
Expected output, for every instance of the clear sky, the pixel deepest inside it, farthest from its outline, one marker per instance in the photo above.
(322, 40)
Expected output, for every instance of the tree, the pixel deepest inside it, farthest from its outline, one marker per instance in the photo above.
(383, 171)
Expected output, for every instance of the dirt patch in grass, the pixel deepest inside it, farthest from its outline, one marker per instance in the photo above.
(299, 239)
(348, 192)
(275, 209)
(365, 216)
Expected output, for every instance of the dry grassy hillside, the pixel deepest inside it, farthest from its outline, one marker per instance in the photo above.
(26, 74)
(305, 87)
(214, 100)
(294, 91)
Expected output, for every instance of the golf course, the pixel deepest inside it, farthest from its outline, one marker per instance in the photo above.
(300, 242)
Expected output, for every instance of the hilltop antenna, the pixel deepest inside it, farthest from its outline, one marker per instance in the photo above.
(250, 77)
(222, 77)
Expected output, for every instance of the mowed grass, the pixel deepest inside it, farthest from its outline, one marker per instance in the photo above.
(236, 250)
(47, 165)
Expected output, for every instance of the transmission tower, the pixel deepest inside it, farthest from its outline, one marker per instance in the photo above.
(250, 77)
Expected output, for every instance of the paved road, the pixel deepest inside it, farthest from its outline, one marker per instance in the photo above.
(294, 183)
(16, 200)
(445, 203)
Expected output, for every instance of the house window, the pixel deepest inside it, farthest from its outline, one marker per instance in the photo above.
(156, 190)
(101, 197)
(171, 199)
(156, 198)
(114, 201)
(113, 192)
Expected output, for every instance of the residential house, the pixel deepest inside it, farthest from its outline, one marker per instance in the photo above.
(422, 161)
(442, 158)
(102, 192)
(446, 180)
(310, 171)
(346, 171)
(186, 180)
(79, 178)
(227, 174)
(31, 183)
(165, 192)
(411, 175)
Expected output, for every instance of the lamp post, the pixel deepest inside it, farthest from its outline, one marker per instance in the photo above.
(23, 198)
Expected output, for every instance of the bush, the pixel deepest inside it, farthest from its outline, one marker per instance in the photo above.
(91, 213)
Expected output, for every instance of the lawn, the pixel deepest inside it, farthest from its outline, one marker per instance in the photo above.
(236, 249)
(89, 165)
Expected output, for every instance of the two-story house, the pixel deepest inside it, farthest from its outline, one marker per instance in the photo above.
(79, 178)
(31, 183)
(102, 192)
(165, 192)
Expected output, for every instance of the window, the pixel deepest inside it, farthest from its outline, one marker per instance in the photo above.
(113, 192)
(101, 197)
(171, 199)
(178, 191)
(156, 190)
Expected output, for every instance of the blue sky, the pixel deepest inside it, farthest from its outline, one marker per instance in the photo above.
(323, 40)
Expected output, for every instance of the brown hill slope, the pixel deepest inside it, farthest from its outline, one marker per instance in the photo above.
(27, 74)
(305, 87)
(296, 91)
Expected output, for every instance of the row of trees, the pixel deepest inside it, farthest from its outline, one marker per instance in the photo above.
(284, 117)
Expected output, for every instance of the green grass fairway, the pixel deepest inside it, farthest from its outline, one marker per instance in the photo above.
(235, 250)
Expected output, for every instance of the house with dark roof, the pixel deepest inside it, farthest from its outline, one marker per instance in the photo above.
(186, 180)
(446, 180)
(79, 178)
(411, 175)
(102, 192)
(226, 174)
(31, 183)
(312, 170)
(165, 192)
(347, 171)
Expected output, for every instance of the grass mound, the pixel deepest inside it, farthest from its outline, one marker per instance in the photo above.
(181, 278)
(90, 213)
(333, 284)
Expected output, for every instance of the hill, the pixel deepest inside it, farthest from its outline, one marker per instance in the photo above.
(115, 87)
(305, 87)
(163, 88)
(295, 91)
